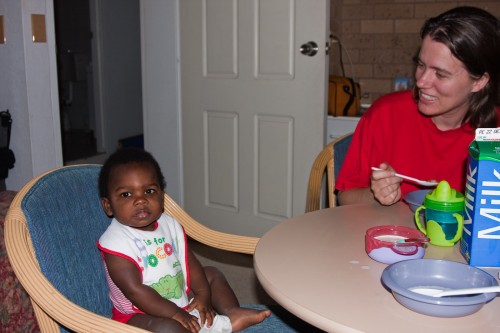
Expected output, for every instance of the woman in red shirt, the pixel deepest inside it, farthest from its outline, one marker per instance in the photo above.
(425, 133)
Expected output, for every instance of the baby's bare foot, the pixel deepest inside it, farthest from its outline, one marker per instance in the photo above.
(241, 318)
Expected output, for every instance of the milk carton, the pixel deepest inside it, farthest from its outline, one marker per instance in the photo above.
(480, 243)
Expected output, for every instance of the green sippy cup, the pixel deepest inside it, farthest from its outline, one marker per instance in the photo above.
(444, 215)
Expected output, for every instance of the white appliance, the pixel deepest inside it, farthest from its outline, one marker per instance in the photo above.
(338, 126)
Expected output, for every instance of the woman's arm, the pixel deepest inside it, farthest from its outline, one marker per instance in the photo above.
(355, 196)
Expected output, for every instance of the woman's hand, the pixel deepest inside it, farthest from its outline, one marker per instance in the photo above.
(385, 186)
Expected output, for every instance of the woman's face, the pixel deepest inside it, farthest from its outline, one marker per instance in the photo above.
(444, 85)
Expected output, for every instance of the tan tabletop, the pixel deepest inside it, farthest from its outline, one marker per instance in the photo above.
(315, 266)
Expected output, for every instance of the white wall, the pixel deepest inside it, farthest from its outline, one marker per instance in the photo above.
(28, 90)
(160, 88)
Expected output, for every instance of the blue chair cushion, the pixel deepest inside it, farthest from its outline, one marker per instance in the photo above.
(339, 151)
(280, 321)
(65, 219)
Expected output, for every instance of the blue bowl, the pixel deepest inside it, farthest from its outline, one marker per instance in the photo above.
(415, 199)
(442, 274)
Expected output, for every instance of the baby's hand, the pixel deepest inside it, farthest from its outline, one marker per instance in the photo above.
(204, 307)
(188, 321)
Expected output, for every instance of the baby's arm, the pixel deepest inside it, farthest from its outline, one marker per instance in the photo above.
(200, 287)
(127, 277)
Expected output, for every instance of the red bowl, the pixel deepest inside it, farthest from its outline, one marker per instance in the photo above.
(385, 243)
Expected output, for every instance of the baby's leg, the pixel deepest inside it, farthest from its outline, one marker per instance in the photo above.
(157, 324)
(225, 302)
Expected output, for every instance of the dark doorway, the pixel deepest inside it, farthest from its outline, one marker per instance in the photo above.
(74, 63)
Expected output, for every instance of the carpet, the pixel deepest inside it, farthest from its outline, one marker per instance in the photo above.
(16, 312)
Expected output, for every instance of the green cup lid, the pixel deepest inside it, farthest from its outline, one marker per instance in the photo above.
(444, 198)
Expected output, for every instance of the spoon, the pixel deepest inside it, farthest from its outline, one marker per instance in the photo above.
(453, 292)
(418, 181)
(412, 241)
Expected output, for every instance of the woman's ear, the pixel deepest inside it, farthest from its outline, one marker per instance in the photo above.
(480, 83)
(106, 206)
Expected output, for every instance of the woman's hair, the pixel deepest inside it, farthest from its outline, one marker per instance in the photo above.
(126, 156)
(473, 37)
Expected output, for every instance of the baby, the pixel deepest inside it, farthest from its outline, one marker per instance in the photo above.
(155, 282)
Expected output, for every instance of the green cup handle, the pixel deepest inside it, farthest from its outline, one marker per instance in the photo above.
(460, 220)
(417, 220)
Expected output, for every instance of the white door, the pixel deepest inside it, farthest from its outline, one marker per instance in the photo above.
(253, 108)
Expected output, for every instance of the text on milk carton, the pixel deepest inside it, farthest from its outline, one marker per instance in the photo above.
(488, 205)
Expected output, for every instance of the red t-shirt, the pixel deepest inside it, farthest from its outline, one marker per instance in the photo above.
(394, 131)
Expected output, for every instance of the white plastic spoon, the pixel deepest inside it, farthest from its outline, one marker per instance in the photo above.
(453, 292)
(418, 181)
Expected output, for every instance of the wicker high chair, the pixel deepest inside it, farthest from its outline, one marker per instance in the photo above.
(50, 234)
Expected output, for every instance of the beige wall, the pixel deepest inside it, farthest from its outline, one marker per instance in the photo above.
(380, 38)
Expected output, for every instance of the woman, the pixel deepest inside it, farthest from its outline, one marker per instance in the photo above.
(426, 133)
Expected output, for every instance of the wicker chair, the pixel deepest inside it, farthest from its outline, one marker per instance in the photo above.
(328, 162)
(50, 234)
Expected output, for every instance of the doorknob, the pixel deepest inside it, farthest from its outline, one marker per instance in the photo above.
(309, 49)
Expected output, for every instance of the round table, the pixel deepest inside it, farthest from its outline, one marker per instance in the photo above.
(315, 266)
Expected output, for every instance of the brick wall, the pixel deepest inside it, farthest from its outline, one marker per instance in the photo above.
(381, 37)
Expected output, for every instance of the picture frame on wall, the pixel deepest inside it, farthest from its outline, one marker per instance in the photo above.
(402, 83)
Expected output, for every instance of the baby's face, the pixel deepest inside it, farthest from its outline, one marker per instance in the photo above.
(135, 196)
